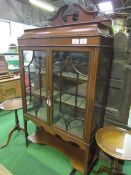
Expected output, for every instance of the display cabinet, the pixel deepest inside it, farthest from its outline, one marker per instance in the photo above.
(65, 71)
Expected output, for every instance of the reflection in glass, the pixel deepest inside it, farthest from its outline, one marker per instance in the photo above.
(35, 82)
(79, 63)
(40, 60)
(60, 60)
(28, 56)
(70, 75)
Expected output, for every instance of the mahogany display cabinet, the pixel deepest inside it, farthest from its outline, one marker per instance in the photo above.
(65, 71)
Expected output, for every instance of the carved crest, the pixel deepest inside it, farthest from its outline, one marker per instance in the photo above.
(72, 13)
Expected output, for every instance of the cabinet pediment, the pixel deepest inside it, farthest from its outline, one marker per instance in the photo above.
(72, 14)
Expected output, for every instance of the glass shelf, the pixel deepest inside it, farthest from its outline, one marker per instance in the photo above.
(71, 76)
(37, 92)
(70, 100)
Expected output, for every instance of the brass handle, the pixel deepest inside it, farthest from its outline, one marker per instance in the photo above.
(48, 99)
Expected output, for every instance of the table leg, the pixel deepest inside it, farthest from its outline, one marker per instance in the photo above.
(17, 127)
(17, 122)
(115, 167)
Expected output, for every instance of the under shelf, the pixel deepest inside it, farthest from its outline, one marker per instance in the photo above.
(67, 148)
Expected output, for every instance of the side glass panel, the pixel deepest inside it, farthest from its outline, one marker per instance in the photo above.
(35, 83)
(70, 74)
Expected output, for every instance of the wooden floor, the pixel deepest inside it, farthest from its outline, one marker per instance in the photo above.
(4, 171)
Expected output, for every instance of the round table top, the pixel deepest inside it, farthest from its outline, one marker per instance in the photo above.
(115, 141)
(12, 104)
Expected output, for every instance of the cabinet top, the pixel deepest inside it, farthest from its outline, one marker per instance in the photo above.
(81, 29)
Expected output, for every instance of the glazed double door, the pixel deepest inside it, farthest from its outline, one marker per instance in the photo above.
(56, 84)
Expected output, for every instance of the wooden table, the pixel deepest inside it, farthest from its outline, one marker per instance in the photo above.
(12, 105)
(116, 142)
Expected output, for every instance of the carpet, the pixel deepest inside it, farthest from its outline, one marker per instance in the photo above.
(35, 159)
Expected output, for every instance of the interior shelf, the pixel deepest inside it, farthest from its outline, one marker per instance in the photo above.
(37, 92)
(71, 76)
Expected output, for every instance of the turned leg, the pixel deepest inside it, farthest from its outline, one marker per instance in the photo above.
(115, 166)
(17, 122)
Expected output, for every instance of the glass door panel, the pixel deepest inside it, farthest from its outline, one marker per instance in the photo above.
(35, 82)
(70, 75)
